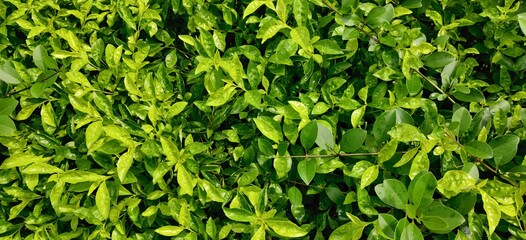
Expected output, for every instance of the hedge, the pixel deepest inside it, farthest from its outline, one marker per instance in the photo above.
(264, 119)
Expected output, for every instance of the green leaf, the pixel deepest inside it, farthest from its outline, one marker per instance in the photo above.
(387, 225)
(324, 138)
(7, 126)
(102, 200)
(39, 53)
(380, 15)
(369, 175)
(385, 73)
(328, 46)
(479, 149)
(7, 106)
(404, 132)
(420, 163)
(169, 231)
(294, 195)
(387, 120)
(353, 140)
(441, 219)
(41, 168)
(474, 95)
(301, 36)
(438, 59)
(285, 227)
(270, 128)
(460, 121)
(282, 165)
(255, 5)
(268, 28)
(307, 170)
(348, 231)
(238, 214)
(124, 163)
(300, 108)
(221, 96)
(454, 182)
(78, 176)
(22, 159)
(285, 49)
(119, 133)
(411, 232)
(301, 12)
(9, 75)
(421, 189)
(504, 148)
(392, 192)
(364, 202)
(493, 212)
(407, 157)
(463, 203)
(259, 234)
(309, 134)
(522, 22)
(387, 151)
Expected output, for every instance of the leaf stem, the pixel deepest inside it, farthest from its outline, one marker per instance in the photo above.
(331, 155)
(434, 85)
(28, 87)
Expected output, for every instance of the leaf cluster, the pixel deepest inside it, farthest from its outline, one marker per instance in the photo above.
(260, 119)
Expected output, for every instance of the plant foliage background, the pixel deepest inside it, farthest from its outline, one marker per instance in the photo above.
(262, 119)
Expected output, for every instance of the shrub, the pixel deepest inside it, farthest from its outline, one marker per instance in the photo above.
(262, 119)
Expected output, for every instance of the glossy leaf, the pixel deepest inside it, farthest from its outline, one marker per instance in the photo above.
(352, 140)
(479, 149)
(285, 228)
(240, 215)
(392, 192)
(369, 175)
(325, 137)
(307, 170)
(169, 231)
(438, 59)
(309, 134)
(441, 219)
(102, 200)
(421, 189)
(504, 148)
(454, 182)
(269, 128)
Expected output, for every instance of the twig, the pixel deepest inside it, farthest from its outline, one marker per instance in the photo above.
(303, 184)
(477, 160)
(331, 155)
(434, 85)
(28, 87)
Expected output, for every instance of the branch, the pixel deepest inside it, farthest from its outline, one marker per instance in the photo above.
(434, 85)
(331, 155)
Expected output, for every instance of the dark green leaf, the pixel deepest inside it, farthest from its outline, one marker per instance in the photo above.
(411, 232)
(479, 149)
(352, 140)
(325, 137)
(504, 148)
(392, 192)
(7, 126)
(441, 219)
(307, 170)
(438, 59)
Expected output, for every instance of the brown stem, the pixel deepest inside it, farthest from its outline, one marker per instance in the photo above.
(331, 155)
(434, 85)
(303, 184)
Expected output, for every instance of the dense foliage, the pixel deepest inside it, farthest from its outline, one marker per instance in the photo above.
(239, 119)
